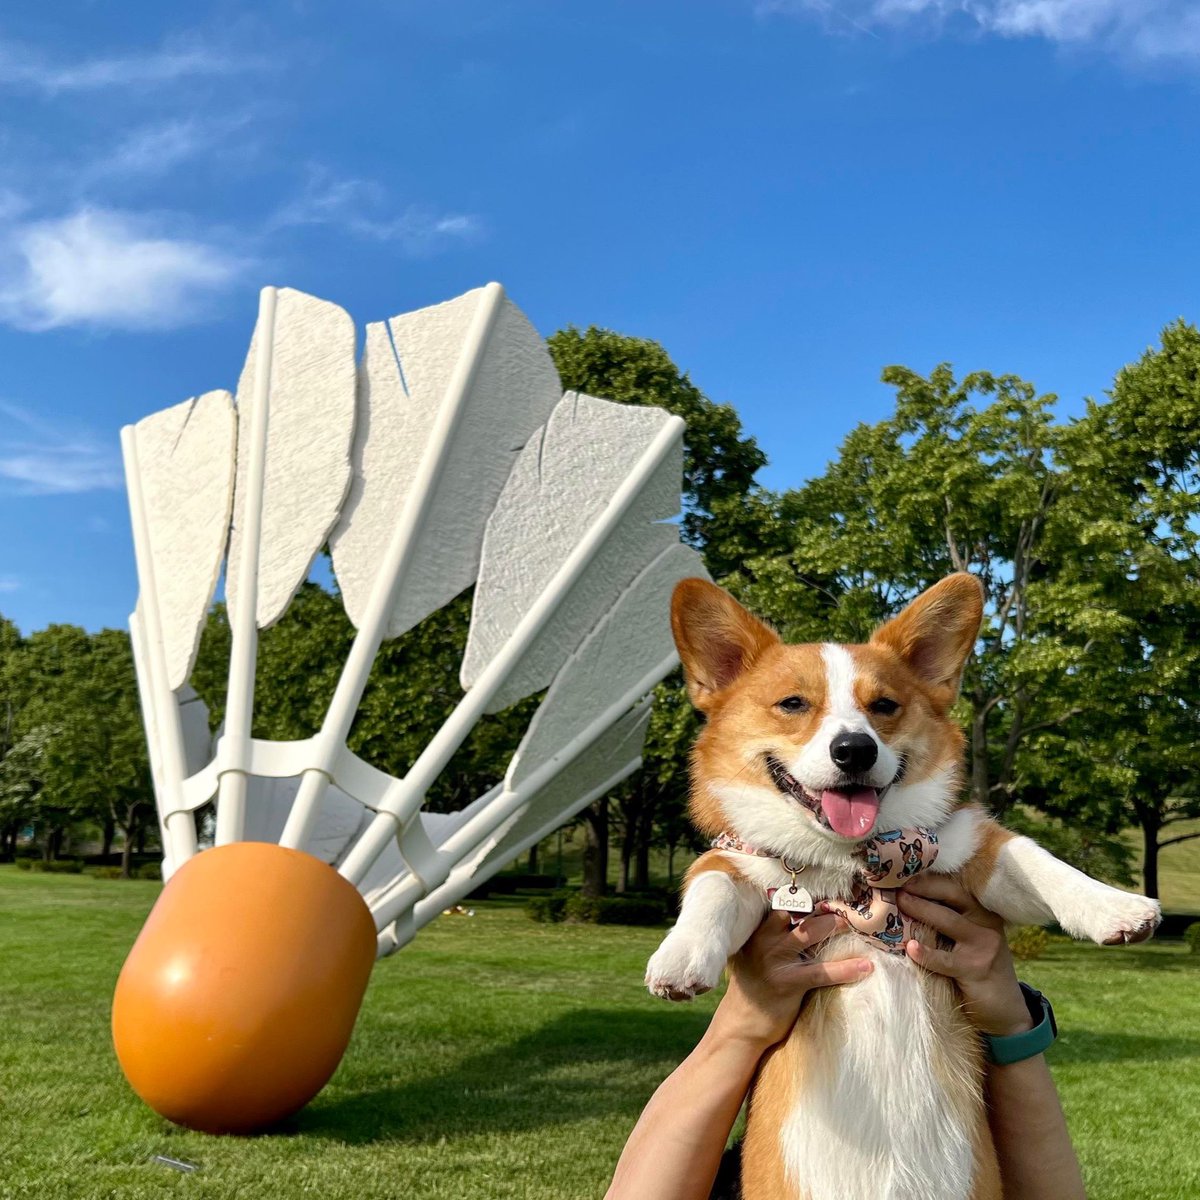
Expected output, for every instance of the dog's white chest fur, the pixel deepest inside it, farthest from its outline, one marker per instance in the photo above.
(873, 1120)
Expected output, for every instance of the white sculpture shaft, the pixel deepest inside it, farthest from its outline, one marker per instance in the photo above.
(243, 655)
(162, 722)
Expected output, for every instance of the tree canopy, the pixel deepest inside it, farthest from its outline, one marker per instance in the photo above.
(1080, 705)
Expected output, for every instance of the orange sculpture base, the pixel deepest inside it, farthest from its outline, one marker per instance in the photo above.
(239, 996)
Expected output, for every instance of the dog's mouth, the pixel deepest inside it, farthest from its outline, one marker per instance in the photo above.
(848, 811)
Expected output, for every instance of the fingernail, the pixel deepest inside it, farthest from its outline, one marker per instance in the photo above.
(864, 967)
(823, 906)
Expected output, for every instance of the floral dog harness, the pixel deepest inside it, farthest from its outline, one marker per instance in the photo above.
(889, 860)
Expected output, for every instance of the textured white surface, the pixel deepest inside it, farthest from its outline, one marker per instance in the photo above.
(514, 387)
(390, 866)
(569, 791)
(193, 721)
(268, 802)
(309, 432)
(632, 637)
(185, 457)
(560, 485)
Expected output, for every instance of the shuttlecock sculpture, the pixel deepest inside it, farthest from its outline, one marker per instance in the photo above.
(447, 456)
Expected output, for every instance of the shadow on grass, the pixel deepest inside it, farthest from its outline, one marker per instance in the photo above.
(1083, 1046)
(584, 1065)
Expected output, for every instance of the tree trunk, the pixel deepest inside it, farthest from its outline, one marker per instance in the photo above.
(110, 830)
(533, 859)
(670, 864)
(645, 835)
(595, 849)
(127, 842)
(52, 847)
(979, 758)
(626, 856)
(1150, 827)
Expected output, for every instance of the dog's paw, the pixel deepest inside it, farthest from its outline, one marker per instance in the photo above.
(1116, 918)
(682, 968)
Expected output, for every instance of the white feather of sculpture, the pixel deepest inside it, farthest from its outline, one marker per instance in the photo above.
(310, 427)
(633, 638)
(443, 413)
(185, 457)
(581, 511)
(559, 487)
(408, 366)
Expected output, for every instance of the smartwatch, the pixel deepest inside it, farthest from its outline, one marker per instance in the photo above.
(1018, 1046)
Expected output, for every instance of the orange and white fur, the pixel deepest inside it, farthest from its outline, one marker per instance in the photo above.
(877, 1093)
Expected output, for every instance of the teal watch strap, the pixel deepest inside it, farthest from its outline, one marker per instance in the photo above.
(1018, 1046)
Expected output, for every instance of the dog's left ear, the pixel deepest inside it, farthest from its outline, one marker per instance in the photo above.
(934, 635)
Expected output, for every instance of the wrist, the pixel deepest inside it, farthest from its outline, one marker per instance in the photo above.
(739, 1022)
(1003, 1013)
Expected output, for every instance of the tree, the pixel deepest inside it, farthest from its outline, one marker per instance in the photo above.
(15, 797)
(81, 711)
(652, 803)
(1129, 526)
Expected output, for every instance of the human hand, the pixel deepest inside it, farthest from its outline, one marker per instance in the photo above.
(770, 977)
(980, 962)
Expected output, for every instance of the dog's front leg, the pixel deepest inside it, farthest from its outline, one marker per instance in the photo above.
(1029, 886)
(719, 912)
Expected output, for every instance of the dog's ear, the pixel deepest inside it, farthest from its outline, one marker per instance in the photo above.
(935, 634)
(716, 637)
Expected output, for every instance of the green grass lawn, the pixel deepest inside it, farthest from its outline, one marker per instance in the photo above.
(496, 1058)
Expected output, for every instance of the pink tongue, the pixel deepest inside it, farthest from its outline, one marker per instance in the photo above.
(851, 813)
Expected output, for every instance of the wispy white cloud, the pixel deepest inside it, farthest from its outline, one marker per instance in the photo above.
(1148, 31)
(102, 268)
(157, 149)
(361, 207)
(39, 457)
(9, 584)
(27, 67)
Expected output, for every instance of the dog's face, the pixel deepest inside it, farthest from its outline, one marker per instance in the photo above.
(809, 749)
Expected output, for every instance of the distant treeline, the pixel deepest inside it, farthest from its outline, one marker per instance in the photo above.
(1080, 707)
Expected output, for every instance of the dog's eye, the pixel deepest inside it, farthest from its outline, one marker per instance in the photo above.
(793, 704)
(884, 706)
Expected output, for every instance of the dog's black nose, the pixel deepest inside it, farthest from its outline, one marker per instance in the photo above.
(854, 752)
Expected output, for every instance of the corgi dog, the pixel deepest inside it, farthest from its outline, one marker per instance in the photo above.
(815, 761)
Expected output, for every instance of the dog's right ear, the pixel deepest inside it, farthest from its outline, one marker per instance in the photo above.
(716, 637)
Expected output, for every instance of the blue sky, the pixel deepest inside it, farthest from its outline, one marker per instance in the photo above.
(788, 194)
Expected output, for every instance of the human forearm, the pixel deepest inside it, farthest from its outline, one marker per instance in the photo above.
(676, 1146)
(1037, 1160)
